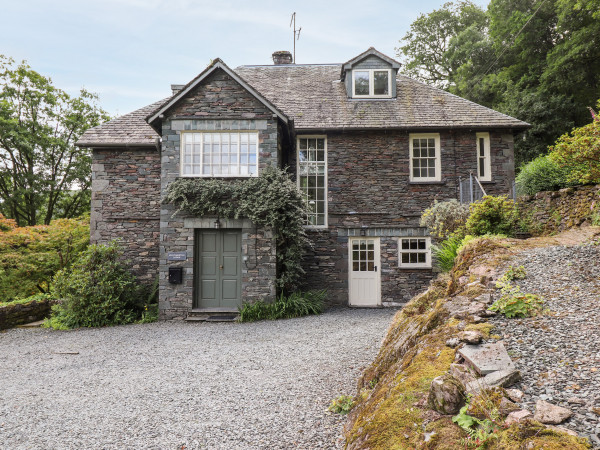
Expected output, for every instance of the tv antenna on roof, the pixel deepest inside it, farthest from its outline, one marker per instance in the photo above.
(296, 33)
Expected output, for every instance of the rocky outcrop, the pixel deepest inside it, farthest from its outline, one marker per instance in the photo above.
(446, 394)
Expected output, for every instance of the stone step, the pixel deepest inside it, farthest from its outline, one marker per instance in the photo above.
(487, 358)
(36, 324)
(219, 317)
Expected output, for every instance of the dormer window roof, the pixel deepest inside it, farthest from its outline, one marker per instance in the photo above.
(370, 75)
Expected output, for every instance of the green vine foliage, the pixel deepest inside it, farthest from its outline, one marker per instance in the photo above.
(269, 200)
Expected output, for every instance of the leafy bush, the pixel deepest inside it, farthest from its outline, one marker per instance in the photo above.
(445, 253)
(579, 152)
(296, 304)
(342, 405)
(444, 219)
(492, 215)
(30, 256)
(97, 290)
(541, 174)
(33, 298)
(271, 200)
(515, 273)
(515, 303)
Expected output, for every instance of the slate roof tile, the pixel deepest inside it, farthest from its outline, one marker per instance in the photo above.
(315, 98)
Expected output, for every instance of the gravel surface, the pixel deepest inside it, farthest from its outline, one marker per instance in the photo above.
(559, 353)
(183, 385)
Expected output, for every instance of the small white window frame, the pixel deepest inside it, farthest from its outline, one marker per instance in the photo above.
(372, 83)
(487, 169)
(209, 175)
(326, 181)
(438, 157)
(426, 265)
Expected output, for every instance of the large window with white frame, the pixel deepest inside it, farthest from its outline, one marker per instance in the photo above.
(371, 83)
(484, 163)
(219, 154)
(312, 177)
(425, 157)
(414, 252)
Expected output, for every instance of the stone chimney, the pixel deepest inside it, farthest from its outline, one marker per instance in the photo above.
(282, 57)
(175, 88)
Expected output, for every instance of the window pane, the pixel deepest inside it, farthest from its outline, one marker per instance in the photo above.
(421, 244)
(361, 83)
(482, 167)
(405, 244)
(405, 258)
(363, 266)
(355, 266)
(380, 82)
(421, 258)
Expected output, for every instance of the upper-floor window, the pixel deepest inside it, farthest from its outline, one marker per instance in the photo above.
(484, 166)
(219, 154)
(371, 83)
(312, 177)
(425, 157)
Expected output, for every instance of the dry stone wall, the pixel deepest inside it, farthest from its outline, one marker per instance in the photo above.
(12, 315)
(555, 211)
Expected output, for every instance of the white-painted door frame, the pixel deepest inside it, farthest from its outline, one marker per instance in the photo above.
(364, 286)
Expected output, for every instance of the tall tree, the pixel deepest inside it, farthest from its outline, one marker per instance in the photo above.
(43, 175)
(427, 51)
(537, 60)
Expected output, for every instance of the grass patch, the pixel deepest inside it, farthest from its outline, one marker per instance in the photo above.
(297, 304)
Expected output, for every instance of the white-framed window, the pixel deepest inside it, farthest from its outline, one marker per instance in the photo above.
(425, 157)
(371, 83)
(484, 163)
(311, 166)
(219, 154)
(414, 252)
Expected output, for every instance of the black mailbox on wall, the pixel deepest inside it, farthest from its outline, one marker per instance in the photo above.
(175, 275)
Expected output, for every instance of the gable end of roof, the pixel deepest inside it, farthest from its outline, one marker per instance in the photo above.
(215, 65)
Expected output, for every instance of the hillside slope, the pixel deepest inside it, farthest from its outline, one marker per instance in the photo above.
(393, 409)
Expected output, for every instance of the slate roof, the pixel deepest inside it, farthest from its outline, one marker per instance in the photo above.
(127, 130)
(315, 98)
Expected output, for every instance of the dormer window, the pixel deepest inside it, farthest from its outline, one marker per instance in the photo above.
(371, 83)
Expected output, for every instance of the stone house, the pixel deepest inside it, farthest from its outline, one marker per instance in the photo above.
(369, 148)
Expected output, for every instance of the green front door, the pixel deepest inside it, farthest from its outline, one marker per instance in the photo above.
(218, 269)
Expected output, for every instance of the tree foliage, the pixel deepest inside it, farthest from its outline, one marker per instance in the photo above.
(30, 256)
(271, 199)
(538, 61)
(43, 175)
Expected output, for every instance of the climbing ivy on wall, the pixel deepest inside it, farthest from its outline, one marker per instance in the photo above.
(270, 200)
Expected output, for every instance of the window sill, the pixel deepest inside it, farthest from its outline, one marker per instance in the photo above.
(426, 182)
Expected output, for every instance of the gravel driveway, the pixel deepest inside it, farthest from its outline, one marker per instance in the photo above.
(170, 385)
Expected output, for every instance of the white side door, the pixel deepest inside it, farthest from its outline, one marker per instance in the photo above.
(364, 272)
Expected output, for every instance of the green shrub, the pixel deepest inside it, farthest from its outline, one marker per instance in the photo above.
(445, 253)
(444, 219)
(97, 290)
(342, 405)
(579, 152)
(492, 215)
(515, 303)
(541, 174)
(515, 273)
(296, 304)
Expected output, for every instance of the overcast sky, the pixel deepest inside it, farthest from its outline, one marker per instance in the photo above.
(130, 51)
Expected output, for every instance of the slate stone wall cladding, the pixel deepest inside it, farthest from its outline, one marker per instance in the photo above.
(368, 180)
(126, 204)
(219, 103)
(219, 96)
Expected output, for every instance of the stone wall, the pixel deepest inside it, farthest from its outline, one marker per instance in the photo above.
(218, 103)
(14, 314)
(554, 211)
(369, 187)
(126, 204)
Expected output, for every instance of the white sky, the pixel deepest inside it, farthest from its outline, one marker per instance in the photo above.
(130, 51)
